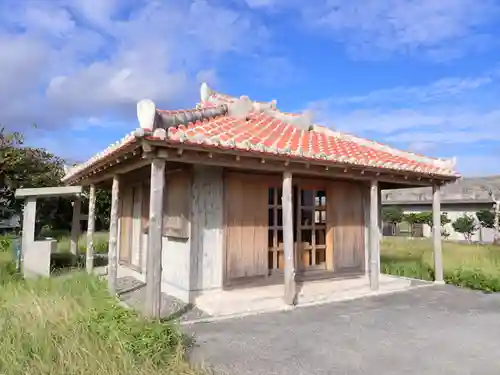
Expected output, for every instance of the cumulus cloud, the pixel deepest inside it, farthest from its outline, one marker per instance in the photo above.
(67, 59)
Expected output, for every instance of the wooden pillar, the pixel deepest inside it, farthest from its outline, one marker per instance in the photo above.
(374, 236)
(113, 235)
(436, 234)
(155, 237)
(380, 222)
(366, 231)
(75, 225)
(89, 262)
(287, 210)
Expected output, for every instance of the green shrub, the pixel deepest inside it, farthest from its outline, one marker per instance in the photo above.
(412, 269)
(473, 279)
(465, 265)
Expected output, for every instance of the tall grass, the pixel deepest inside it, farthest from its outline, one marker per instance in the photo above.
(472, 265)
(64, 239)
(71, 325)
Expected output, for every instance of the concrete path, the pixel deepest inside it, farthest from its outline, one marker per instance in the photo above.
(429, 331)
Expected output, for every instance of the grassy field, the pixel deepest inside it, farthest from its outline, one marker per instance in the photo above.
(471, 265)
(71, 325)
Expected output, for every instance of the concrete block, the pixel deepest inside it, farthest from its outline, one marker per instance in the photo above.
(36, 258)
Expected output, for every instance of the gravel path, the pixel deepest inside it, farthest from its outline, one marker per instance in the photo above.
(429, 331)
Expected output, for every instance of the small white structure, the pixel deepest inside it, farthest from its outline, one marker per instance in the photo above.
(36, 254)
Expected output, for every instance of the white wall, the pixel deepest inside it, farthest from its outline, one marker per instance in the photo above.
(481, 235)
(196, 264)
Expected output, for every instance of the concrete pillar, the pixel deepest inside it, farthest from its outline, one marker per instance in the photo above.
(29, 220)
(436, 235)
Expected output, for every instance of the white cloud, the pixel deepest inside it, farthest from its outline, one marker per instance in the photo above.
(64, 59)
(449, 117)
(440, 30)
(440, 89)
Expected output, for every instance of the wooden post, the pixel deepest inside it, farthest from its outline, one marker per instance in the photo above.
(75, 225)
(113, 235)
(436, 235)
(155, 237)
(374, 236)
(380, 222)
(496, 223)
(286, 202)
(89, 262)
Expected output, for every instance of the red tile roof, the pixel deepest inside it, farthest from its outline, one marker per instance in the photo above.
(273, 132)
(263, 133)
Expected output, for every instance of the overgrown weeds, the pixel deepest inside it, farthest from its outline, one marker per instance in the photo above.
(71, 325)
(466, 265)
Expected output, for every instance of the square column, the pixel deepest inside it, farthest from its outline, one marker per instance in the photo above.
(155, 239)
(113, 235)
(75, 225)
(287, 209)
(374, 236)
(89, 262)
(436, 235)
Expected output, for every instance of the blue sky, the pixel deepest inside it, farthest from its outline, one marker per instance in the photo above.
(420, 75)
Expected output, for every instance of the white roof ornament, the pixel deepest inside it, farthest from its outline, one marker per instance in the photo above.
(448, 164)
(241, 108)
(205, 92)
(66, 168)
(146, 113)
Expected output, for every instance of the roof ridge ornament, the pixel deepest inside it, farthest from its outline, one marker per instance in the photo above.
(146, 114)
(205, 92)
(303, 121)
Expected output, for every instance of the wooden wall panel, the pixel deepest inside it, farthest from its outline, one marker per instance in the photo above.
(126, 224)
(177, 204)
(245, 203)
(345, 234)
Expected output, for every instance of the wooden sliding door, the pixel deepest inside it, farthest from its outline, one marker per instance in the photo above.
(346, 226)
(246, 225)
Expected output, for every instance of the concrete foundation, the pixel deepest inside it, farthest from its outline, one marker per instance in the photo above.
(255, 300)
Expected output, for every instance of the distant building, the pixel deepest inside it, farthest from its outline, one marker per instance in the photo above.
(466, 196)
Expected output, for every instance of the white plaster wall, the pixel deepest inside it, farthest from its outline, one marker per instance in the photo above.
(207, 228)
(195, 264)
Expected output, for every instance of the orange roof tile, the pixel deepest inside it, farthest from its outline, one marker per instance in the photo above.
(266, 130)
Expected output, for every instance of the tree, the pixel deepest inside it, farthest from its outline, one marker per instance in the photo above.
(486, 218)
(29, 167)
(427, 218)
(466, 225)
(392, 214)
(494, 193)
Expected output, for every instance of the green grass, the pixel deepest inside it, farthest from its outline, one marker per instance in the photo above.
(63, 241)
(71, 325)
(470, 265)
